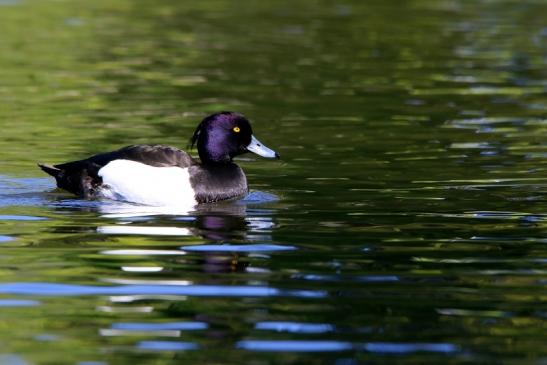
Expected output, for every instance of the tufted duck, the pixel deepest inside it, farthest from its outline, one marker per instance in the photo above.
(166, 176)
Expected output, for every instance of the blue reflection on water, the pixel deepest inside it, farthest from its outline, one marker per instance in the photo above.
(295, 346)
(183, 326)
(191, 290)
(18, 303)
(12, 359)
(46, 337)
(364, 279)
(295, 327)
(22, 192)
(166, 346)
(20, 218)
(239, 248)
(9, 2)
(259, 197)
(334, 346)
(404, 348)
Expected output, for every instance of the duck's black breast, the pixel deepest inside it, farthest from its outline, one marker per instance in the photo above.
(216, 182)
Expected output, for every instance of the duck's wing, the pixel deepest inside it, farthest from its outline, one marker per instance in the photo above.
(153, 155)
(81, 177)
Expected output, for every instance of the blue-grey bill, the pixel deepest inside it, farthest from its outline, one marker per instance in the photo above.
(257, 147)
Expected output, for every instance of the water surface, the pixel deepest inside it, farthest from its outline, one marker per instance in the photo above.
(405, 223)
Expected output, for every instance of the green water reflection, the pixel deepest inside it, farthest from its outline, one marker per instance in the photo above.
(405, 223)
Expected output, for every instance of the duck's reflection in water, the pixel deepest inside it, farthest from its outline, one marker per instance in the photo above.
(157, 256)
(228, 229)
(221, 225)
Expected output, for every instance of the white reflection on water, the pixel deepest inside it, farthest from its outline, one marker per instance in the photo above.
(113, 209)
(136, 298)
(109, 332)
(219, 222)
(109, 309)
(146, 282)
(142, 252)
(142, 268)
(144, 230)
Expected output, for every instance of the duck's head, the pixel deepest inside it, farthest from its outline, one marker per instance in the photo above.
(222, 136)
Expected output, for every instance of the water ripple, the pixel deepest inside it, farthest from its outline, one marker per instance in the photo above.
(166, 346)
(20, 218)
(363, 279)
(238, 248)
(187, 290)
(336, 346)
(182, 326)
(295, 346)
(295, 327)
(18, 303)
(142, 252)
(405, 348)
(143, 230)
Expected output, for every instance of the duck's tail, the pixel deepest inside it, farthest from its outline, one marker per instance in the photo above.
(79, 181)
(51, 170)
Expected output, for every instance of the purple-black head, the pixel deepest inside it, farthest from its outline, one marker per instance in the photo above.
(222, 136)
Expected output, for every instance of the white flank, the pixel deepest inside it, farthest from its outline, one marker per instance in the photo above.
(136, 182)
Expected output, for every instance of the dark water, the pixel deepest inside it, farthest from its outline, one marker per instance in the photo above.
(405, 224)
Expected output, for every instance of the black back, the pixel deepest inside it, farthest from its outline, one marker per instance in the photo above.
(153, 155)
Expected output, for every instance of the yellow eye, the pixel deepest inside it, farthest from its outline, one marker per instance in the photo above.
(236, 129)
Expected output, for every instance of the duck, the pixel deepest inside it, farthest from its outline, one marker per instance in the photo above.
(160, 175)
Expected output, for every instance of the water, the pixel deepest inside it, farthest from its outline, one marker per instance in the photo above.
(405, 223)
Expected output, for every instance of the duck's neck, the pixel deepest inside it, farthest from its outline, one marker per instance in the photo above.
(218, 181)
